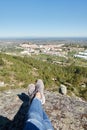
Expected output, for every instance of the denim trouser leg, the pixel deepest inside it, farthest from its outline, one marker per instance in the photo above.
(47, 122)
(35, 108)
(37, 116)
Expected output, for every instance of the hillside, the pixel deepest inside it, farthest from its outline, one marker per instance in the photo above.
(66, 113)
(18, 72)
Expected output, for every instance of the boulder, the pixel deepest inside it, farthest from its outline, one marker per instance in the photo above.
(63, 89)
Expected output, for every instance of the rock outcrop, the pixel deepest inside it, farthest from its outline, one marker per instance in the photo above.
(66, 113)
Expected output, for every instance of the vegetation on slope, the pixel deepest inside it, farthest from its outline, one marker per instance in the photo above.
(18, 72)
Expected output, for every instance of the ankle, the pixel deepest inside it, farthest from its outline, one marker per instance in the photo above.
(38, 95)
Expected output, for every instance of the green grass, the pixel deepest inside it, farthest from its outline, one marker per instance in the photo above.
(18, 72)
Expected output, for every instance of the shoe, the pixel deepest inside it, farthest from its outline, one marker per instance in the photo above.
(31, 92)
(39, 87)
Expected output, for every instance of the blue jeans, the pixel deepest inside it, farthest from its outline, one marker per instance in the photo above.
(37, 119)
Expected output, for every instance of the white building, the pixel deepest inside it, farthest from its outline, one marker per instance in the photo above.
(82, 55)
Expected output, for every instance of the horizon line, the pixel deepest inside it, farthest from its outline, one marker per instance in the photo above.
(7, 37)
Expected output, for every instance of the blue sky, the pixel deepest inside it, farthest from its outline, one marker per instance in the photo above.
(43, 18)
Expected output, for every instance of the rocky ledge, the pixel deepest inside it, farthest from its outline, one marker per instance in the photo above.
(66, 113)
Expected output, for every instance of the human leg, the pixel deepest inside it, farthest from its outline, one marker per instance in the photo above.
(36, 108)
(35, 115)
(47, 121)
(36, 91)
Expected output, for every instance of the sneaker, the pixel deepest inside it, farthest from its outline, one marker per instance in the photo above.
(40, 88)
(31, 91)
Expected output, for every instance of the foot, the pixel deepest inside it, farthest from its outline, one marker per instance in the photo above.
(39, 87)
(31, 91)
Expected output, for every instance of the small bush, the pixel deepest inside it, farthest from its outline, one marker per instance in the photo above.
(1, 62)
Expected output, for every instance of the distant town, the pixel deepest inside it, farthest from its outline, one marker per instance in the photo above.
(60, 47)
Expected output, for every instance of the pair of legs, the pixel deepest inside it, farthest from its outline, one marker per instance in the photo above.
(37, 118)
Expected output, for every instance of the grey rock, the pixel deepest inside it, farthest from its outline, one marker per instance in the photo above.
(65, 113)
(63, 89)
